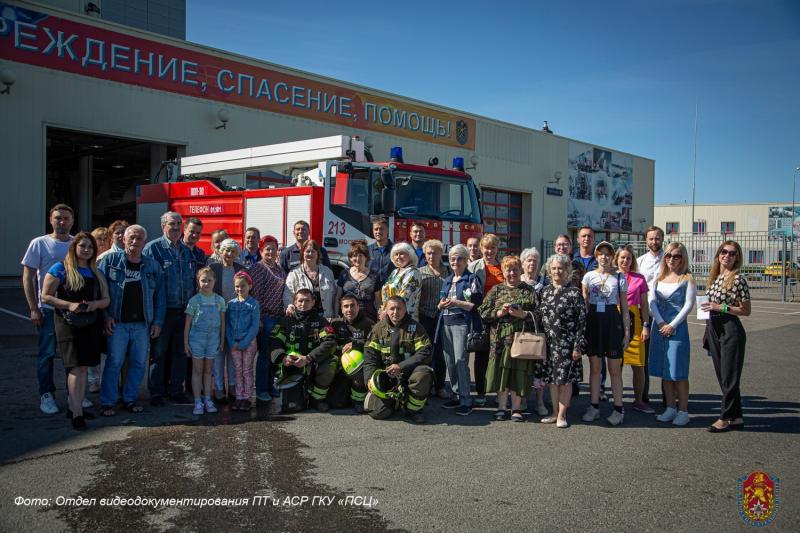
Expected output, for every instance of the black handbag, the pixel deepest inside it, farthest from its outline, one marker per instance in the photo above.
(79, 320)
(477, 340)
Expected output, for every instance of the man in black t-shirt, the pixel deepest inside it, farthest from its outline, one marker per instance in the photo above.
(136, 314)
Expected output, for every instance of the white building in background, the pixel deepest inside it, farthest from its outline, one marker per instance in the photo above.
(763, 229)
(101, 100)
(772, 217)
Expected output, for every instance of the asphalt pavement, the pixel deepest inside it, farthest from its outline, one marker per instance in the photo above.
(166, 470)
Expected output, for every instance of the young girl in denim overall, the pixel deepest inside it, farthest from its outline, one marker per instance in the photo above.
(204, 337)
(242, 322)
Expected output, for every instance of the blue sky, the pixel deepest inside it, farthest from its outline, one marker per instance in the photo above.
(622, 74)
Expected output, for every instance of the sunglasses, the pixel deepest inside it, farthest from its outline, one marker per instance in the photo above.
(731, 253)
(673, 256)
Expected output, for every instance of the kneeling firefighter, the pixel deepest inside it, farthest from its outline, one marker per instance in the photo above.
(396, 360)
(352, 330)
(303, 346)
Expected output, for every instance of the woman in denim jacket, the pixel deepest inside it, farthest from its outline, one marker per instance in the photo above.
(460, 294)
(241, 328)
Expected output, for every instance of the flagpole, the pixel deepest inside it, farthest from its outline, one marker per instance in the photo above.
(694, 174)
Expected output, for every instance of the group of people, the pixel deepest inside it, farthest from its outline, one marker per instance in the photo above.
(393, 329)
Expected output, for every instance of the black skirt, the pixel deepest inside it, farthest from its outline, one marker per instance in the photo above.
(605, 332)
(79, 346)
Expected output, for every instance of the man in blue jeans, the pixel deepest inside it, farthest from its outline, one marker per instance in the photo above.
(43, 252)
(167, 358)
(136, 313)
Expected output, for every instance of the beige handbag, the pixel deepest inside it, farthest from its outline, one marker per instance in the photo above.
(528, 345)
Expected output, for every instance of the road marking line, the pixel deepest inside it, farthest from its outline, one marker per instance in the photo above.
(777, 313)
(12, 313)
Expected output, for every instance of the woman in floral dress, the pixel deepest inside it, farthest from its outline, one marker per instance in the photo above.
(562, 312)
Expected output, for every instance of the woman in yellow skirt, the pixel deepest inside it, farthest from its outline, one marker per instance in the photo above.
(625, 261)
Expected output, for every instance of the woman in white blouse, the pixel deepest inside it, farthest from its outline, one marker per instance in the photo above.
(670, 302)
(311, 275)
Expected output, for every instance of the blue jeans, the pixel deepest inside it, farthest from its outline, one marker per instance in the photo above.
(167, 358)
(218, 371)
(454, 346)
(47, 352)
(128, 337)
(265, 376)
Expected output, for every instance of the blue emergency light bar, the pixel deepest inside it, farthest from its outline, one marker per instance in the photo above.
(458, 163)
(396, 154)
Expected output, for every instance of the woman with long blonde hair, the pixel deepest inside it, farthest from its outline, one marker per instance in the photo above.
(725, 338)
(670, 302)
(625, 261)
(77, 291)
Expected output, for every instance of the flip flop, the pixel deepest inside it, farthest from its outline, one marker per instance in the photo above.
(107, 410)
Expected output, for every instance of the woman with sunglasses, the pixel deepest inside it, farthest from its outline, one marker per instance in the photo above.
(728, 299)
(670, 302)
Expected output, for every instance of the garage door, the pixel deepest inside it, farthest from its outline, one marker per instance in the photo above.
(502, 215)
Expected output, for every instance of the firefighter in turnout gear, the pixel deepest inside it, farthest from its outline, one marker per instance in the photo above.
(352, 330)
(306, 332)
(396, 362)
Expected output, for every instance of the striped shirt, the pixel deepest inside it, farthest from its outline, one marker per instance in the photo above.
(268, 282)
(431, 286)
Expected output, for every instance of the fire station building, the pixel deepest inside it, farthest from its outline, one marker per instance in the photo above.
(98, 96)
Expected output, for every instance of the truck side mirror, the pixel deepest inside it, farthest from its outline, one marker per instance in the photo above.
(389, 193)
(387, 178)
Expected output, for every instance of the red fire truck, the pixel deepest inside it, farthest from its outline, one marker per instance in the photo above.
(331, 182)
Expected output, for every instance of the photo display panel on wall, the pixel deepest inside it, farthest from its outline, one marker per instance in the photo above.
(600, 188)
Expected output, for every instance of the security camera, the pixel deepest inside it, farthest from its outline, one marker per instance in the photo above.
(7, 78)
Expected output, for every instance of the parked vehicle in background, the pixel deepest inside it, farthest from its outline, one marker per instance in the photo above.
(774, 270)
(332, 183)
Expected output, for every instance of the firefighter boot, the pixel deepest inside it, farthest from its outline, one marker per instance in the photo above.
(321, 380)
(419, 386)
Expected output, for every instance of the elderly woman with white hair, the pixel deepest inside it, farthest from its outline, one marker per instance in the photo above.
(224, 271)
(459, 297)
(562, 313)
(531, 258)
(404, 281)
(531, 261)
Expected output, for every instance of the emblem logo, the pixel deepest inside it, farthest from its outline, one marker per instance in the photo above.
(758, 498)
(462, 132)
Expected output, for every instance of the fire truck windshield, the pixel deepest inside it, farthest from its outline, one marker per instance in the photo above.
(436, 197)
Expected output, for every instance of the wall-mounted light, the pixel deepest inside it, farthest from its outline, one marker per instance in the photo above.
(7, 78)
(223, 116)
(556, 177)
(473, 160)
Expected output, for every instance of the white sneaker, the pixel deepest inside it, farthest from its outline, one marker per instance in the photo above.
(616, 418)
(210, 407)
(591, 414)
(668, 415)
(541, 410)
(198, 408)
(681, 419)
(48, 404)
(562, 424)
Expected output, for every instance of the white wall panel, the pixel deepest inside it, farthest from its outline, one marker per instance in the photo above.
(266, 214)
(297, 208)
